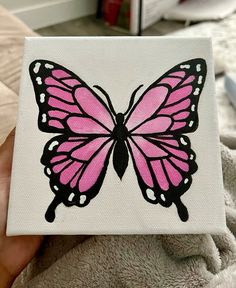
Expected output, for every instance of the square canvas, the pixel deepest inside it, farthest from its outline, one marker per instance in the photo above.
(116, 136)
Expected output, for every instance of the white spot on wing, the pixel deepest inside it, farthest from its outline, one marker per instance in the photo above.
(36, 67)
(196, 91)
(48, 66)
(82, 199)
(42, 97)
(55, 187)
(186, 181)
(200, 78)
(150, 194)
(198, 67)
(71, 196)
(48, 171)
(187, 66)
(193, 107)
(183, 141)
(44, 118)
(52, 145)
(163, 198)
(39, 80)
(190, 124)
(191, 157)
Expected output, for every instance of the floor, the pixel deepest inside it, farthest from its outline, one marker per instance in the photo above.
(90, 26)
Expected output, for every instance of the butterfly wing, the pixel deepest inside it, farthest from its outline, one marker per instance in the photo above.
(60, 95)
(75, 161)
(76, 167)
(162, 155)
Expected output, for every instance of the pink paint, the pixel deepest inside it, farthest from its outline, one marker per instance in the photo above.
(85, 152)
(94, 169)
(179, 94)
(182, 165)
(175, 108)
(77, 138)
(56, 124)
(58, 158)
(93, 107)
(142, 166)
(71, 82)
(67, 174)
(178, 74)
(173, 174)
(181, 115)
(53, 102)
(57, 114)
(156, 125)
(52, 82)
(172, 142)
(149, 104)
(74, 181)
(85, 125)
(61, 94)
(176, 152)
(58, 73)
(149, 149)
(57, 168)
(173, 82)
(160, 175)
(68, 146)
(190, 79)
(178, 125)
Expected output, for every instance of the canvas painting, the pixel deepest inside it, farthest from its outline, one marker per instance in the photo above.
(116, 135)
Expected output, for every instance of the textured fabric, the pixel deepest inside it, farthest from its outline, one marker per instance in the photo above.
(12, 33)
(143, 261)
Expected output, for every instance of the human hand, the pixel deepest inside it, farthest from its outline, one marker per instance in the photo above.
(15, 252)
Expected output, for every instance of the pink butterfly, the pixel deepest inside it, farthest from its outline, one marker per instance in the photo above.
(150, 131)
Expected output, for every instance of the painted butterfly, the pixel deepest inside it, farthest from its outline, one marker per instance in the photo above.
(150, 131)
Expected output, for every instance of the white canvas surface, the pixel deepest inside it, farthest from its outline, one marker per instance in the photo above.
(119, 65)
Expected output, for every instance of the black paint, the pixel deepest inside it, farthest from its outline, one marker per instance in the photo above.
(120, 146)
(50, 213)
(120, 154)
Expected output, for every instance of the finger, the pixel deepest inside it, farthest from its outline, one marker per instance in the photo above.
(6, 151)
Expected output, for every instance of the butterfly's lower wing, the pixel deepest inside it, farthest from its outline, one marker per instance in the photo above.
(162, 155)
(76, 167)
(164, 166)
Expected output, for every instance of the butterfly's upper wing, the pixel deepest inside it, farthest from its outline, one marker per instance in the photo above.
(60, 95)
(162, 155)
(75, 161)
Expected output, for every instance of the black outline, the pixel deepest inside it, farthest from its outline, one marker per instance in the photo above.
(173, 194)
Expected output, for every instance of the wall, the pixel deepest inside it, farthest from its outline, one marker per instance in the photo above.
(38, 14)
(16, 4)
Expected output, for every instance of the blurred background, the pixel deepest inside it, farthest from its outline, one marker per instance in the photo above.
(213, 18)
(116, 17)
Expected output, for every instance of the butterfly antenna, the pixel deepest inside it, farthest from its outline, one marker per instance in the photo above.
(131, 102)
(107, 97)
